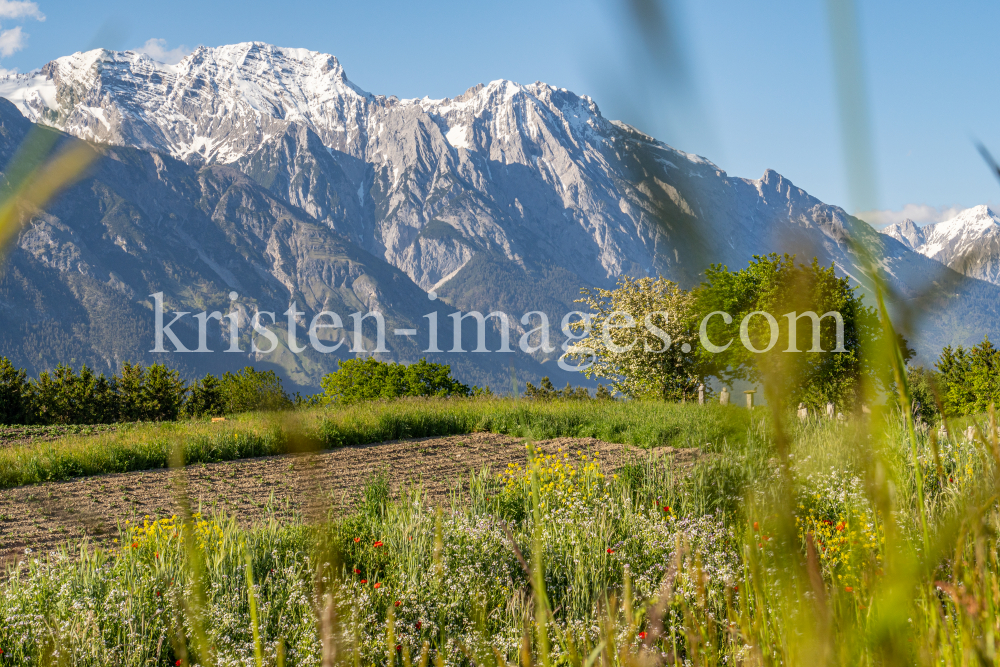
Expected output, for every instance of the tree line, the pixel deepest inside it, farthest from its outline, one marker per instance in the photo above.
(136, 393)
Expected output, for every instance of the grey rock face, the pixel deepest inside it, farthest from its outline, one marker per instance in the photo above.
(529, 173)
(264, 170)
(907, 233)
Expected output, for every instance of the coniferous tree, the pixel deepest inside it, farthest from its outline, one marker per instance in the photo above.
(14, 396)
(163, 394)
(205, 399)
(969, 378)
(129, 385)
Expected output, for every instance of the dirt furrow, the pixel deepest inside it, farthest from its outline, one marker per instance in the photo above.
(41, 517)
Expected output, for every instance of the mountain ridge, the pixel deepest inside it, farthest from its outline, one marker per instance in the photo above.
(506, 194)
(969, 242)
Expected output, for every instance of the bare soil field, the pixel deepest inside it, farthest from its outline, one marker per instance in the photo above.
(42, 517)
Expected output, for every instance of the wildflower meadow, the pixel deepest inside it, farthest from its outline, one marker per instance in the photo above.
(741, 558)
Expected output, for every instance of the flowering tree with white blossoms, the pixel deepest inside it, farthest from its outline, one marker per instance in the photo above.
(638, 336)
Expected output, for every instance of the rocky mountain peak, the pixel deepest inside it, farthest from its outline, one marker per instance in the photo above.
(292, 183)
(906, 232)
(968, 243)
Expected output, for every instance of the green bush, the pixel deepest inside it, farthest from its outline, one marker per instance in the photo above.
(922, 382)
(369, 379)
(250, 389)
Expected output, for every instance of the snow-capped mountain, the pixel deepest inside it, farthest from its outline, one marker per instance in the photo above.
(265, 170)
(531, 174)
(968, 243)
(216, 105)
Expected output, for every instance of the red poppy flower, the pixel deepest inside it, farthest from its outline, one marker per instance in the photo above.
(357, 571)
(756, 526)
(848, 589)
(364, 581)
(178, 663)
(642, 635)
(156, 555)
(611, 551)
(418, 625)
(399, 647)
(135, 545)
(357, 539)
(667, 508)
(158, 593)
(378, 544)
(377, 585)
(399, 602)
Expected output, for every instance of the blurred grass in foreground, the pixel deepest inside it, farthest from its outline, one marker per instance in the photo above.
(147, 446)
(558, 563)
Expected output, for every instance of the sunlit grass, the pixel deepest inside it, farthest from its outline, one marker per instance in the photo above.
(147, 446)
(646, 563)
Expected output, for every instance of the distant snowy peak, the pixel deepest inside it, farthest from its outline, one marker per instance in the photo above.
(968, 243)
(215, 105)
(530, 174)
(966, 227)
(219, 105)
(907, 233)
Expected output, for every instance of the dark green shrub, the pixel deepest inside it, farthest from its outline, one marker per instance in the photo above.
(164, 394)
(922, 384)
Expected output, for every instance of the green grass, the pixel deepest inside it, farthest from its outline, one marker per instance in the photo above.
(743, 560)
(28, 433)
(147, 446)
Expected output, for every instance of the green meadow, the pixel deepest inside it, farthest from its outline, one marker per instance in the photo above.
(788, 543)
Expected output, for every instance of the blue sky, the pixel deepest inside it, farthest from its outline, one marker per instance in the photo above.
(753, 88)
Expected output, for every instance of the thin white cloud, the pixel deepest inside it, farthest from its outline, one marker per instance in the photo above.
(18, 9)
(157, 50)
(11, 41)
(922, 214)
